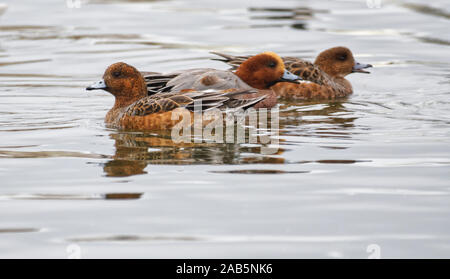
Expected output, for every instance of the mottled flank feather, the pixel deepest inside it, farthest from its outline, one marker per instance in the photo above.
(306, 70)
(155, 112)
(200, 100)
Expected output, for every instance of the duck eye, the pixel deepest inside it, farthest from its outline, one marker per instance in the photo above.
(116, 74)
(342, 57)
(272, 64)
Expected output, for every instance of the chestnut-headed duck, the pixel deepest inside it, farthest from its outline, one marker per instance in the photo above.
(326, 76)
(260, 72)
(134, 109)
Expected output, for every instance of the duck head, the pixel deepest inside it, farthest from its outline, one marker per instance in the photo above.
(124, 82)
(339, 62)
(265, 70)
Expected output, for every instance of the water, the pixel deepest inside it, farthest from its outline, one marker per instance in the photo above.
(372, 169)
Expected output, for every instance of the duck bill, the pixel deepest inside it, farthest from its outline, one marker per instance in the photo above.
(289, 77)
(101, 84)
(359, 68)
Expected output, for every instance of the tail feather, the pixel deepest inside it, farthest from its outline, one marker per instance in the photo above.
(225, 57)
(232, 60)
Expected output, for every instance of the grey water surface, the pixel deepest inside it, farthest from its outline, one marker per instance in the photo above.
(363, 177)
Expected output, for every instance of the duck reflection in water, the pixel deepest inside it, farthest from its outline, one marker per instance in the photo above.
(136, 150)
(333, 113)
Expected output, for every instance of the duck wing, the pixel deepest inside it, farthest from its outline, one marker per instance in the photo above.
(193, 79)
(164, 102)
(205, 79)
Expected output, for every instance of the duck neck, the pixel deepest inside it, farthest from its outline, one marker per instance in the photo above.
(133, 91)
(343, 85)
(121, 103)
(120, 106)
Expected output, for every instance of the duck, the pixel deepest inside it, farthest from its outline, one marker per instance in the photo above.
(325, 77)
(260, 72)
(135, 109)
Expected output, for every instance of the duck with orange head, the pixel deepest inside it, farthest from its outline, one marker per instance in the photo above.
(258, 72)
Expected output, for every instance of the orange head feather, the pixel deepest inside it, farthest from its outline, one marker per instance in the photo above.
(262, 71)
(124, 82)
